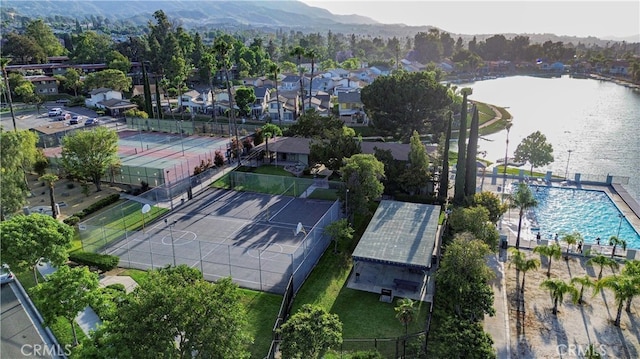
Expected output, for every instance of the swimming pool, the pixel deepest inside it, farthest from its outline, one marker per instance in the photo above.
(590, 212)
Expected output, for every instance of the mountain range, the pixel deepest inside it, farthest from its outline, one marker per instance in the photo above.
(229, 14)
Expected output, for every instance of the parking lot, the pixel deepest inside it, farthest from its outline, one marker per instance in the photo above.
(27, 119)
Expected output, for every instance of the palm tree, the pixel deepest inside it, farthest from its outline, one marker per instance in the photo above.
(270, 130)
(522, 264)
(571, 239)
(522, 199)
(603, 261)
(311, 54)
(558, 288)
(275, 70)
(615, 241)
(3, 63)
(624, 288)
(224, 49)
(551, 252)
(51, 179)
(405, 312)
(585, 282)
(298, 52)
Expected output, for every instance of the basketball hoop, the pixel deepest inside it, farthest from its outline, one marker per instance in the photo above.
(299, 229)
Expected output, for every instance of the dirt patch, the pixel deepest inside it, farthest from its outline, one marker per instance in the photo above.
(538, 333)
(68, 194)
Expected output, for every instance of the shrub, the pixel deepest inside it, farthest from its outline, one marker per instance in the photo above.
(104, 202)
(70, 185)
(218, 159)
(103, 262)
(372, 354)
(72, 221)
(118, 287)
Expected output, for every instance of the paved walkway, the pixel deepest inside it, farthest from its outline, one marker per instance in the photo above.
(498, 325)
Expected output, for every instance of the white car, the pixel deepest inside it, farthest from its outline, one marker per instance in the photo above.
(5, 275)
(56, 111)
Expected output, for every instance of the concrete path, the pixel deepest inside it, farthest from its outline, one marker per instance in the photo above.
(498, 325)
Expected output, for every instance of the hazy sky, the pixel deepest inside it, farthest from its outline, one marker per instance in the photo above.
(575, 18)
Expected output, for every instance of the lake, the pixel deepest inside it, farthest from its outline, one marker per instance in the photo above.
(598, 121)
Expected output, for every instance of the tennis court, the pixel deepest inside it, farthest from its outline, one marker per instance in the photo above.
(254, 238)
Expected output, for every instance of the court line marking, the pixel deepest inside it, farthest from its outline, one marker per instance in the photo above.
(281, 209)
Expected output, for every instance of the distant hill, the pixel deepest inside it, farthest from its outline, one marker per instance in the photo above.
(260, 14)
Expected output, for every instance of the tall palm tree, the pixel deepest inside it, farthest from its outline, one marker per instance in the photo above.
(405, 312)
(603, 261)
(224, 49)
(615, 242)
(311, 54)
(270, 130)
(558, 288)
(298, 52)
(551, 252)
(571, 239)
(585, 282)
(624, 288)
(522, 199)
(51, 179)
(3, 63)
(275, 70)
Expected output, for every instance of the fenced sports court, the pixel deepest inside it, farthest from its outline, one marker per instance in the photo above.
(254, 238)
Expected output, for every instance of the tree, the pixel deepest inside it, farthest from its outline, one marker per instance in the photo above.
(461, 165)
(522, 199)
(362, 174)
(524, 265)
(405, 312)
(309, 333)
(311, 54)
(245, 97)
(584, 282)
(88, 154)
(571, 239)
(116, 60)
(65, 293)
(299, 52)
(270, 130)
(43, 35)
(312, 125)
(615, 242)
(27, 240)
(551, 252)
(72, 80)
(23, 49)
(475, 220)
(491, 202)
(275, 71)
(603, 261)
(443, 189)
(339, 231)
(404, 102)
(468, 292)
(7, 89)
(18, 149)
(51, 179)
(224, 49)
(472, 149)
(109, 78)
(175, 313)
(558, 288)
(91, 47)
(337, 145)
(624, 288)
(534, 150)
(460, 338)
(415, 177)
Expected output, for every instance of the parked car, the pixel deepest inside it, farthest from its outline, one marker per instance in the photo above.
(64, 117)
(91, 122)
(63, 101)
(76, 120)
(5, 275)
(56, 111)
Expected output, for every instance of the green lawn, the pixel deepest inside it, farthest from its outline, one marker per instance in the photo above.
(267, 170)
(140, 276)
(324, 193)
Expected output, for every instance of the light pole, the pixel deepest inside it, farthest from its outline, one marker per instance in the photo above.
(181, 141)
(346, 204)
(619, 225)
(169, 189)
(173, 247)
(566, 171)
(506, 160)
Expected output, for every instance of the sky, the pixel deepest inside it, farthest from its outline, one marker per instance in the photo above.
(603, 19)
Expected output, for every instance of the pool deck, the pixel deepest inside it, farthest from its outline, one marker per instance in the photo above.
(508, 226)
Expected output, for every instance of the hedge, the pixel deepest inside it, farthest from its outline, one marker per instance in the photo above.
(103, 262)
(94, 207)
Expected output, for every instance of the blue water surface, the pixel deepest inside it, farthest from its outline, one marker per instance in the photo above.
(590, 212)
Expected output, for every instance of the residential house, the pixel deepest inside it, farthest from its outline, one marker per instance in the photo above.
(619, 67)
(259, 107)
(254, 81)
(45, 85)
(339, 73)
(412, 66)
(139, 90)
(288, 106)
(290, 83)
(109, 100)
(380, 70)
(195, 101)
(350, 107)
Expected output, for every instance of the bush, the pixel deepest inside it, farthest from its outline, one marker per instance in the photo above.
(70, 185)
(94, 207)
(373, 354)
(72, 221)
(103, 262)
(117, 287)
